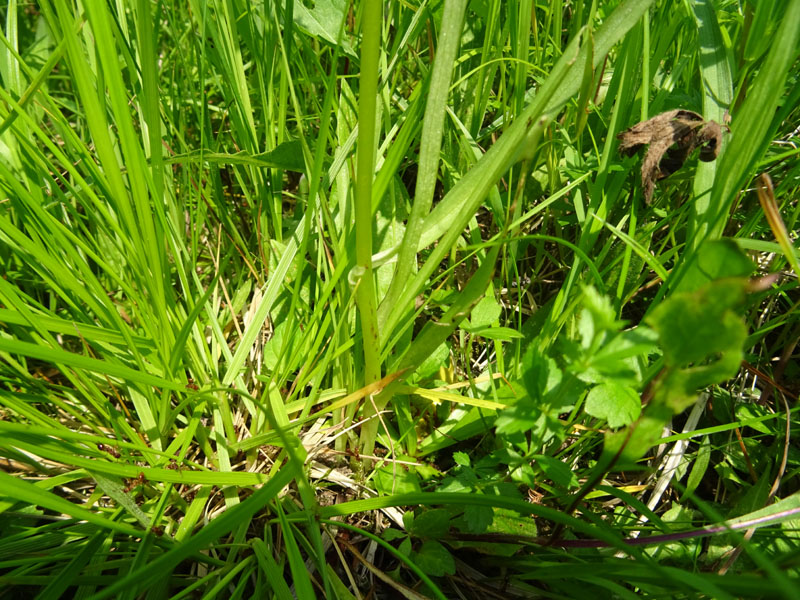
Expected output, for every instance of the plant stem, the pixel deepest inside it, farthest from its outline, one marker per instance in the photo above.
(371, 27)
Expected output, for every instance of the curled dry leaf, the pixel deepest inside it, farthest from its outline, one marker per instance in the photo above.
(670, 138)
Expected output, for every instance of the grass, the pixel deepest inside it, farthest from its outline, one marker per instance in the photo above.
(333, 300)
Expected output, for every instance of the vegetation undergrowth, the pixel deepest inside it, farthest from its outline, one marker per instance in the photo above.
(362, 300)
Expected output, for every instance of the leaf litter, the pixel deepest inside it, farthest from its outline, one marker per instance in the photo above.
(670, 137)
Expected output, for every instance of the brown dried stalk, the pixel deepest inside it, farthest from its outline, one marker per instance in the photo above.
(670, 138)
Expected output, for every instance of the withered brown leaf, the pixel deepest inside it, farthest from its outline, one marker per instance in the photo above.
(670, 138)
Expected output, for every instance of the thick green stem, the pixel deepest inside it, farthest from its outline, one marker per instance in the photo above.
(371, 26)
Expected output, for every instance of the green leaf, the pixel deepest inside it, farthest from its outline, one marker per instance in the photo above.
(699, 467)
(287, 156)
(323, 21)
(748, 411)
(486, 312)
(702, 336)
(512, 523)
(437, 359)
(597, 317)
(620, 358)
(518, 418)
(461, 459)
(392, 534)
(435, 559)
(434, 523)
(618, 404)
(500, 334)
(540, 373)
(717, 259)
(466, 478)
(391, 479)
(339, 588)
(478, 518)
(556, 471)
(635, 440)
(405, 547)
(113, 487)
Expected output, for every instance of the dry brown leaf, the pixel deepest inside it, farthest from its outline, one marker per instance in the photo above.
(670, 138)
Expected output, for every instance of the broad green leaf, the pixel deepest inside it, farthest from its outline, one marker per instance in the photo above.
(694, 327)
(392, 534)
(323, 20)
(485, 312)
(540, 373)
(339, 588)
(437, 359)
(617, 404)
(396, 479)
(478, 518)
(433, 523)
(748, 411)
(512, 523)
(435, 559)
(621, 358)
(716, 259)
(631, 443)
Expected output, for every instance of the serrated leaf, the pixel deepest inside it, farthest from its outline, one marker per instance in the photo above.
(539, 373)
(434, 523)
(461, 458)
(597, 316)
(524, 473)
(435, 559)
(617, 404)
(392, 534)
(454, 484)
(618, 358)
(694, 326)
(556, 471)
(478, 518)
(510, 522)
